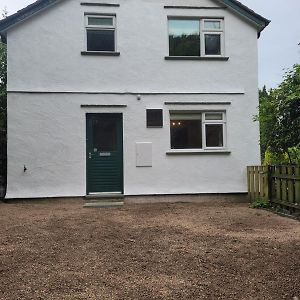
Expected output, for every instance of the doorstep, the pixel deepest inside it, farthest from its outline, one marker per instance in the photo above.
(103, 204)
(104, 200)
(98, 196)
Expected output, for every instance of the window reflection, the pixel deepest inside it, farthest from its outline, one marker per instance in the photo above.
(184, 37)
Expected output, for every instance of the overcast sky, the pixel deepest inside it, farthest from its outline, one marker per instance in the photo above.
(278, 45)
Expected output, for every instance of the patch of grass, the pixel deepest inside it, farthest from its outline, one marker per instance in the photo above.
(261, 203)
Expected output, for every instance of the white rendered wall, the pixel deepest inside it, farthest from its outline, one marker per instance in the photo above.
(46, 132)
(44, 52)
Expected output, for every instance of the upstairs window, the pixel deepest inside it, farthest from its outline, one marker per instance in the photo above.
(197, 130)
(184, 37)
(212, 35)
(100, 32)
(195, 37)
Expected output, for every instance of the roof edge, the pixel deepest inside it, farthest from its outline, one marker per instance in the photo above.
(40, 5)
(248, 13)
(25, 13)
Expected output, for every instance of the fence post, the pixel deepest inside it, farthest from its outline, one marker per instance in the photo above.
(264, 177)
(291, 184)
(252, 184)
(284, 183)
(297, 185)
(249, 182)
(270, 182)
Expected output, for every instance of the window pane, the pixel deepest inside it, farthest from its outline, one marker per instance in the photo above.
(189, 116)
(98, 21)
(186, 134)
(184, 37)
(213, 116)
(104, 135)
(100, 40)
(212, 24)
(214, 135)
(212, 44)
(154, 118)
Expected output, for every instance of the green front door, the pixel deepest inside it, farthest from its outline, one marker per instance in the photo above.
(104, 153)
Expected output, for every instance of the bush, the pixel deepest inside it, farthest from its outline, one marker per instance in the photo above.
(292, 156)
(261, 203)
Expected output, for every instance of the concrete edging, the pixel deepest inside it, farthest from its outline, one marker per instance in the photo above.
(141, 199)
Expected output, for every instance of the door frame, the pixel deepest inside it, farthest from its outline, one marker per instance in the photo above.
(86, 147)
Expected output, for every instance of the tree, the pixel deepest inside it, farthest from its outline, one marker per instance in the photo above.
(3, 80)
(279, 116)
(288, 123)
(266, 117)
(3, 114)
(4, 12)
(3, 83)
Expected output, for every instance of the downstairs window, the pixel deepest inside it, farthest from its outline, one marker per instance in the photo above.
(197, 130)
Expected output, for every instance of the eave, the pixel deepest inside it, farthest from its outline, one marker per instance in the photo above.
(40, 5)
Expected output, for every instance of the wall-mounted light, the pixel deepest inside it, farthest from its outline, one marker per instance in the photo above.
(25, 169)
(139, 97)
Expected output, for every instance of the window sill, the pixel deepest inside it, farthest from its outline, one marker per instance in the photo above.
(100, 53)
(222, 58)
(197, 152)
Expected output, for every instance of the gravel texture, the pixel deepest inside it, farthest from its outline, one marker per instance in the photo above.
(209, 250)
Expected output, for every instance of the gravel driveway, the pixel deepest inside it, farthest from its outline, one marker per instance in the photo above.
(58, 250)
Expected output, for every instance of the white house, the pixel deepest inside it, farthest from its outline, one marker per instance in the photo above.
(135, 97)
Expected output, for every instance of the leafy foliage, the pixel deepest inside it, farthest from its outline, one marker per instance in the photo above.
(3, 83)
(279, 116)
(271, 158)
(261, 203)
(3, 113)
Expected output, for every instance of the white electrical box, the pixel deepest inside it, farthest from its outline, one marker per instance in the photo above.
(144, 154)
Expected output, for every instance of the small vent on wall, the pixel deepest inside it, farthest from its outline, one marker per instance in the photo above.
(154, 118)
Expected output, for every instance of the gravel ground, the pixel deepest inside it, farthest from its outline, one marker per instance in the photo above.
(59, 250)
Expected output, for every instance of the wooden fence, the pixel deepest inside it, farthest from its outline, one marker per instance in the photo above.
(279, 184)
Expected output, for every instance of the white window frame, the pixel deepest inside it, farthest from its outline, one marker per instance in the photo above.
(170, 18)
(204, 122)
(214, 122)
(202, 32)
(101, 27)
(217, 31)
